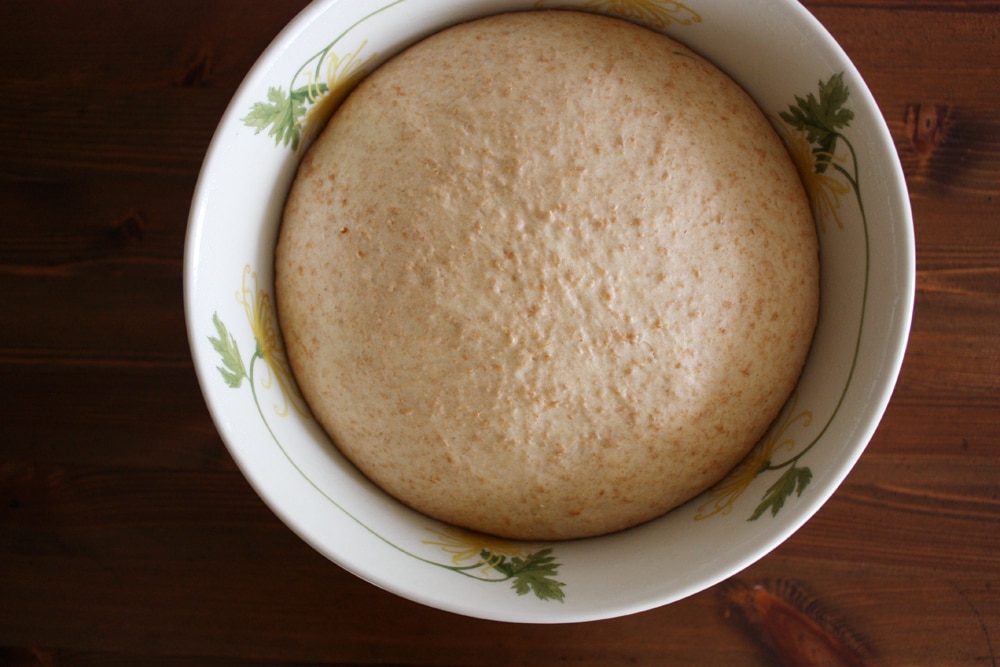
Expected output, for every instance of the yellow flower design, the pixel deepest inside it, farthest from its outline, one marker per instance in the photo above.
(467, 546)
(263, 321)
(722, 496)
(324, 96)
(821, 183)
(656, 14)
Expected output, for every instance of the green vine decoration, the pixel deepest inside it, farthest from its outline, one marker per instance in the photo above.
(298, 112)
(532, 573)
(822, 120)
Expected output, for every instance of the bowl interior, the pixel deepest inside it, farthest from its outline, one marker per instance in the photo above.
(797, 74)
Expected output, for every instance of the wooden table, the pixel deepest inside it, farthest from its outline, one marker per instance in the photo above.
(127, 535)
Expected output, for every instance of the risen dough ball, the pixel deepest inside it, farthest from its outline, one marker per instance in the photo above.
(547, 275)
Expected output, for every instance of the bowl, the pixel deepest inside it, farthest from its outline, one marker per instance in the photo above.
(819, 104)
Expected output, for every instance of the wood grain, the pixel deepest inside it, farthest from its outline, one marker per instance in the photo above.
(127, 534)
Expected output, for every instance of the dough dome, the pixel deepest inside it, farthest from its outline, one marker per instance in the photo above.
(547, 275)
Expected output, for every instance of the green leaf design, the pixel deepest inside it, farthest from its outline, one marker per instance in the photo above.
(233, 371)
(822, 118)
(531, 574)
(794, 481)
(282, 114)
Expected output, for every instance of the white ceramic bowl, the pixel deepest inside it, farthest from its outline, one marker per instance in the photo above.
(797, 74)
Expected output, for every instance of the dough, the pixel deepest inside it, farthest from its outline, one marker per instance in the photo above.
(547, 275)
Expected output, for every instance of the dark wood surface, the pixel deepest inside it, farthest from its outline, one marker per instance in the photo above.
(127, 535)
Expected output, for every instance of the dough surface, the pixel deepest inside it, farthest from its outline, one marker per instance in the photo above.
(547, 275)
